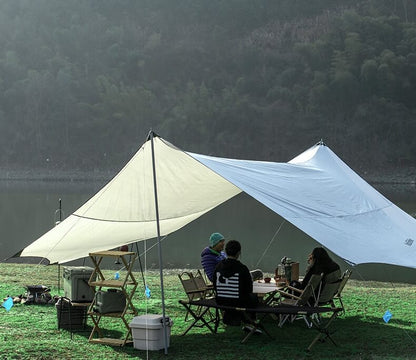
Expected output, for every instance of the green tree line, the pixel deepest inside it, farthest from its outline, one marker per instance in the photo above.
(83, 82)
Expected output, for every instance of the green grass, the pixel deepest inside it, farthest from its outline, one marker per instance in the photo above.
(30, 331)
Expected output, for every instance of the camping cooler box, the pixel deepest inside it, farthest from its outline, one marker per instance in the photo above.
(147, 332)
(76, 286)
(110, 301)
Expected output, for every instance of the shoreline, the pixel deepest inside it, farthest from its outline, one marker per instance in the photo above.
(56, 176)
(396, 177)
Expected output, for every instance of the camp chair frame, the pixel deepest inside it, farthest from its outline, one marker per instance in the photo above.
(338, 296)
(320, 291)
(322, 327)
(195, 288)
(326, 295)
(300, 297)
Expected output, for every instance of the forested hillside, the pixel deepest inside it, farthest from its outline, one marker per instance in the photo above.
(83, 82)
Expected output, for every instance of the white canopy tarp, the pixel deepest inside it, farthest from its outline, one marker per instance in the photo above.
(316, 192)
(322, 196)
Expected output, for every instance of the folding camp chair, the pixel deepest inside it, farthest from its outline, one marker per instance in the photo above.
(297, 297)
(320, 291)
(338, 296)
(195, 288)
(330, 286)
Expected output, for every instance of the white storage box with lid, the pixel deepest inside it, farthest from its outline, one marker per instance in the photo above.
(147, 332)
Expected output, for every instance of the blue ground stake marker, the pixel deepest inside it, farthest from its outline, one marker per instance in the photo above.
(387, 316)
(147, 292)
(8, 303)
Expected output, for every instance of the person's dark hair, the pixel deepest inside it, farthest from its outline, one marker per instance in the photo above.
(322, 264)
(320, 255)
(232, 248)
(322, 260)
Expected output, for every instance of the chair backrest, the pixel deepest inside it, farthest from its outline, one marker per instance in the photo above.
(205, 277)
(190, 286)
(330, 286)
(200, 281)
(311, 290)
(344, 280)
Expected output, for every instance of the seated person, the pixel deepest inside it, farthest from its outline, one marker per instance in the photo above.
(319, 263)
(233, 283)
(213, 254)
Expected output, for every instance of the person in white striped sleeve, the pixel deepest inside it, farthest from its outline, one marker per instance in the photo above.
(233, 283)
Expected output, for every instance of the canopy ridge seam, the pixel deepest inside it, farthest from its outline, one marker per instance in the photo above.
(127, 221)
(340, 216)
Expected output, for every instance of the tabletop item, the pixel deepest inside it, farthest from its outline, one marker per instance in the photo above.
(287, 271)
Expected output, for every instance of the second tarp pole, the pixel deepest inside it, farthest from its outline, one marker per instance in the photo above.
(165, 323)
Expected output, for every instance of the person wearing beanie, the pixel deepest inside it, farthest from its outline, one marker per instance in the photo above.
(213, 254)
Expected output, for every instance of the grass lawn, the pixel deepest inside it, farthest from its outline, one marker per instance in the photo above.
(30, 331)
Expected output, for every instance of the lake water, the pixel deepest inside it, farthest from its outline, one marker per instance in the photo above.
(29, 209)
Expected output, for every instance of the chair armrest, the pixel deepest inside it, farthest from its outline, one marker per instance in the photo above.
(288, 295)
(196, 291)
(294, 289)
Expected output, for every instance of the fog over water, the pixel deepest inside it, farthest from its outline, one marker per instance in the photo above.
(29, 209)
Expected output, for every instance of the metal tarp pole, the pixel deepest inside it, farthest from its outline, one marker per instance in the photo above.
(164, 322)
(56, 223)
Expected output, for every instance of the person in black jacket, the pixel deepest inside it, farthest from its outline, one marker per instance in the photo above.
(233, 283)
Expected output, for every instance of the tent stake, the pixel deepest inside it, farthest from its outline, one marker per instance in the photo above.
(164, 323)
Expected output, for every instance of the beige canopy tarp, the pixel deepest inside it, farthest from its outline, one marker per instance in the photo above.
(123, 212)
